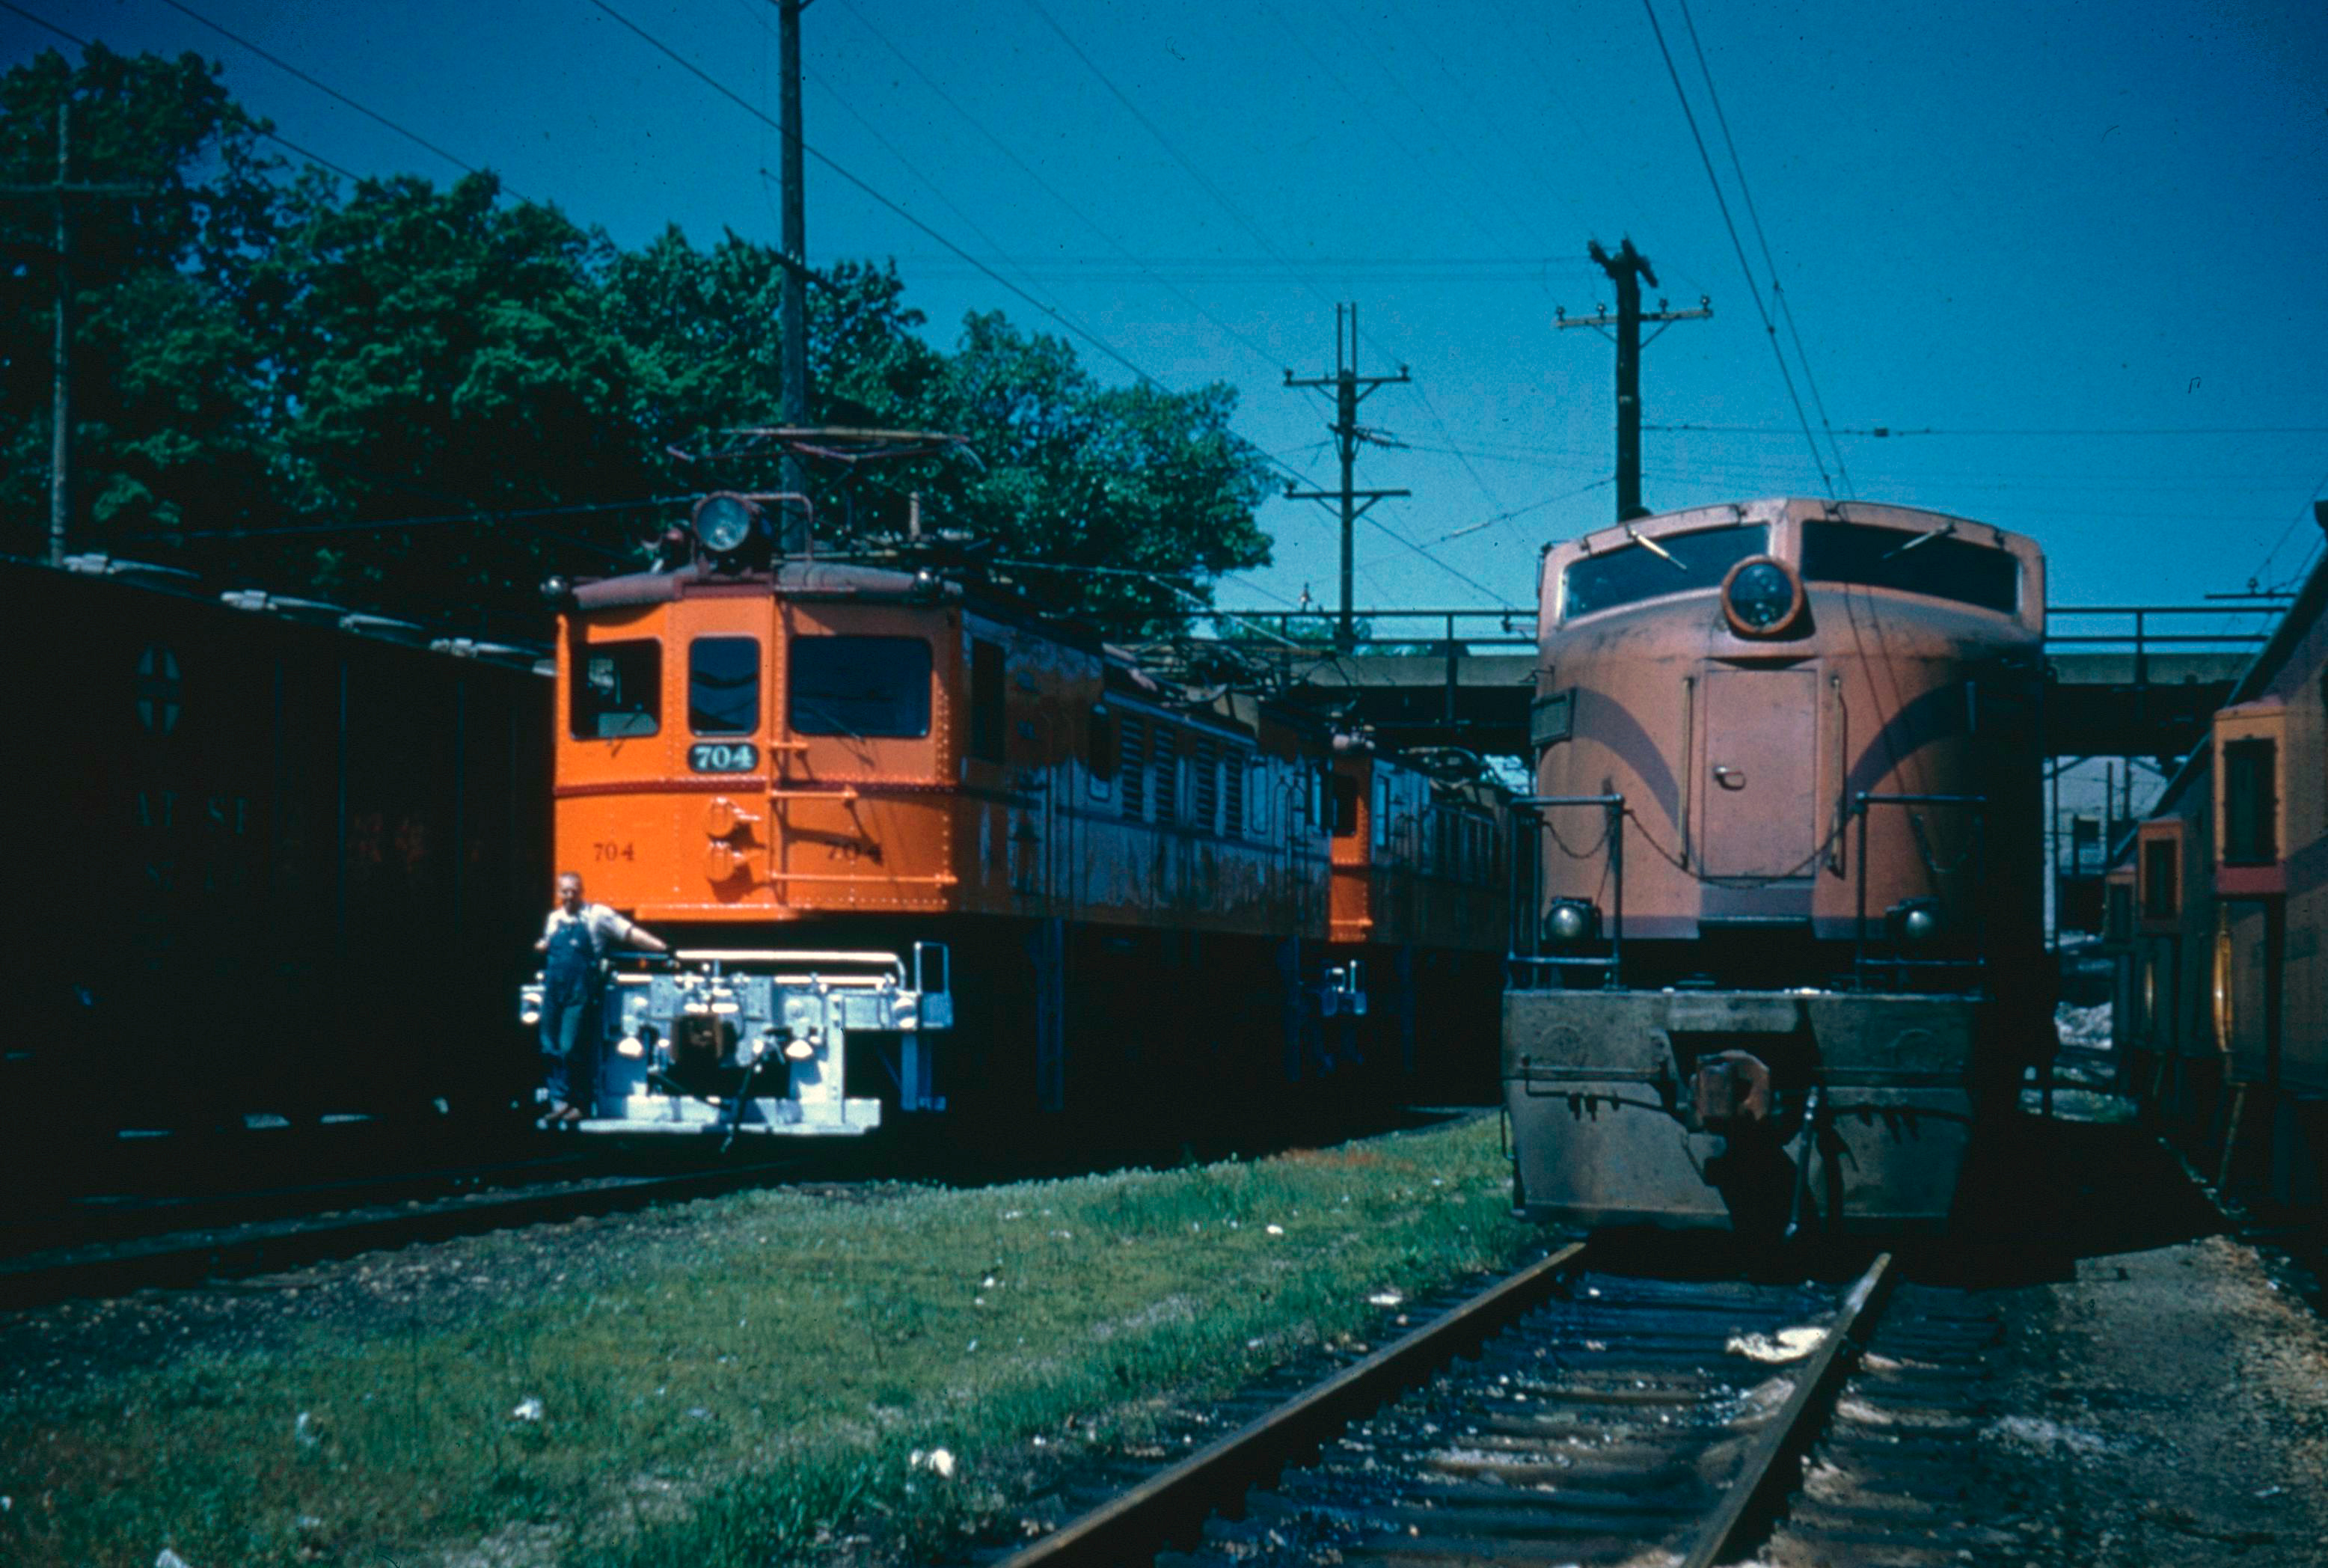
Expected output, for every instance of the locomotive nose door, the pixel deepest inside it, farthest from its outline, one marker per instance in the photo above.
(1760, 786)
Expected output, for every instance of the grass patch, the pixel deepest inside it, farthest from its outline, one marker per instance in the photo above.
(757, 1383)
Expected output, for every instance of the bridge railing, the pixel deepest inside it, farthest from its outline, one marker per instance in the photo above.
(2144, 630)
(1425, 632)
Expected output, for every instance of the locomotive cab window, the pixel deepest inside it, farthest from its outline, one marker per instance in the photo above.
(1937, 564)
(1673, 563)
(617, 690)
(864, 688)
(1346, 807)
(723, 685)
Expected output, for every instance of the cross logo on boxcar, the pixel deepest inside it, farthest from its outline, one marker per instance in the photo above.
(157, 690)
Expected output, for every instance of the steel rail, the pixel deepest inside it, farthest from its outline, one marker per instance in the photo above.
(1182, 1495)
(1769, 1477)
(194, 1258)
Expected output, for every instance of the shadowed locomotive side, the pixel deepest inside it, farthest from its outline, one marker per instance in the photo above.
(1787, 952)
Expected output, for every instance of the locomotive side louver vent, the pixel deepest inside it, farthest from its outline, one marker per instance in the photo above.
(1131, 765)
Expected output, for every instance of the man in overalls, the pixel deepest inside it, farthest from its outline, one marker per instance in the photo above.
(573, 942)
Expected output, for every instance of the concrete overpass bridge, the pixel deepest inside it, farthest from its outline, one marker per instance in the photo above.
(2128, 681)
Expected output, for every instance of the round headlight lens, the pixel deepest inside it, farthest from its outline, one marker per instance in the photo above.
(1761, 595)
(723, 523)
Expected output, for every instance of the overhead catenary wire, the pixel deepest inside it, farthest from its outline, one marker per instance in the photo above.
(720, 87)
(477, 514)
(1745, 268)
(1146, 270)
(1235, 212)
(2293, 525)
(1422, 110)
(276, 137)
(1778, 293)
(1093, 338)
(1523, 511)
(329, 91)
(1888, 431)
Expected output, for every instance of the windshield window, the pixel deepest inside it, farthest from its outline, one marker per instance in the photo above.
(616, 689)
(723, 685)
(1634, 572)
(859, 686)
(1941, 567)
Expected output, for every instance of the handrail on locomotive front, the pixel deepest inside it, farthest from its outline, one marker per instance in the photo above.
(1614, 805)
(1978, 962)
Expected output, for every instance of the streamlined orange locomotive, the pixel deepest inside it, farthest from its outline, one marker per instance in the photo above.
(875, 806)
(1789, 950)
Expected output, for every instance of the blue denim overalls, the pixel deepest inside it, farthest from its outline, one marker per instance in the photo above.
(569, 1022)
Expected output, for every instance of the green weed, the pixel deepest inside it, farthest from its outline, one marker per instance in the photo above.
(754, 1383)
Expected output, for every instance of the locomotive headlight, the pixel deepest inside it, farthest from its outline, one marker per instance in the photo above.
(1915, 920)
(1570, 921)
(1761, 598)
(723, 523)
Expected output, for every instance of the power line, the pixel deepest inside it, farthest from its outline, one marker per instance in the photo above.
(1024, 168)
(1776, 293)
(1888, 430)
(1722, 202)
(479, 515)
(1500, 601)
(1523, 510)
(332, 93)
(74, 38)
(1422, 110)
(1195, 173)
(2280, 543)
(1101, 343)
(761, 115)
(1463, 94)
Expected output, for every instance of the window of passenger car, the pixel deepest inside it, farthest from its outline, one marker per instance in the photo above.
(2157, 872)
(2250, 802)
(723, 685)
(861, 687)
(1937, 564)
(616, 689)
(1636, 572)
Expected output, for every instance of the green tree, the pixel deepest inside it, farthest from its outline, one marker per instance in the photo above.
(441, 352)
(358, 392)
(166, 368)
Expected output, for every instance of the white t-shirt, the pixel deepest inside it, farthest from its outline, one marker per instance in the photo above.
(603, 925)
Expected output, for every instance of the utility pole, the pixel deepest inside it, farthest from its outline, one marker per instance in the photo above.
(61, 350)
(1626, 269)
(795, 287)
(1350, 389)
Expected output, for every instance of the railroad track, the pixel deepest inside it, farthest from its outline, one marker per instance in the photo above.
(234, 1248)
(1600, 1418)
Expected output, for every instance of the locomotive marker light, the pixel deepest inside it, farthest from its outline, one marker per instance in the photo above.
(1761, 598)
(1915, 920)
(1572, 920)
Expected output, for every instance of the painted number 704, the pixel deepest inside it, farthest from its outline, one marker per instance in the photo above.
(606, 849)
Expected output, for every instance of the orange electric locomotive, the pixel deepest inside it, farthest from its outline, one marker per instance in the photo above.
(1789, 949)
(918, 848)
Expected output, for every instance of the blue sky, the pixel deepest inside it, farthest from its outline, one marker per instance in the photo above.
(2082, 244)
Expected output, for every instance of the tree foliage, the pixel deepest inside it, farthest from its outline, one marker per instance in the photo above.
(284, 380)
